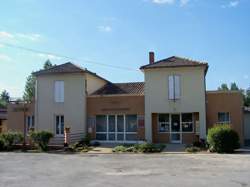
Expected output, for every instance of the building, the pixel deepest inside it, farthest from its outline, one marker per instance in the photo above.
(170, 106)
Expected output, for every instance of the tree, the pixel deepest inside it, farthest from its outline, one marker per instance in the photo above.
(234, 86)
(223, 87)
(4, 99)
(47, 64)
(5, 96)
(29, 91)
(247, 98)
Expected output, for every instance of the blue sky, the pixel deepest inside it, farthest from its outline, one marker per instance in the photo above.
(121, 33)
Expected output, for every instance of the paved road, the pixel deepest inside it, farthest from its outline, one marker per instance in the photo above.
(117, 170)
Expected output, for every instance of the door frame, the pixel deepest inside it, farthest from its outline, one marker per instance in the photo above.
(180, 132)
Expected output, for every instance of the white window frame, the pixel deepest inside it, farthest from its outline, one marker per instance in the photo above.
(183, 122)
(224, 122)
(59, 91)
(166, 123)
(116, 128)
(60, 125)
(172, 88)
(30, 122)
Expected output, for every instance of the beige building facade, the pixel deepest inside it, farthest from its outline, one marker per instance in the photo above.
(170, 106)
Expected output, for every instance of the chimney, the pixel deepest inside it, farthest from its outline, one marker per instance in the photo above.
(151, 57)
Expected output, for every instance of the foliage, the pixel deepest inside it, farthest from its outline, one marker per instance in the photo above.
(234, 86)
(41, 139)
(201, 144)
(222, 139)
(193, 149)
(2, 147)
(82, 145)
(139, 148)
(247, 98)
(10, 138)
(29, 91)
(223, 87)
(4, 99)
(47, 64)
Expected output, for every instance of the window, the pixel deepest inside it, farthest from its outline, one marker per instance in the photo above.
(116, 127)
(30, 122)
(101, 127)
(174, 87)
(187, 122)
(59, 125)
(223, 118)
(163, 122)
(59, 91)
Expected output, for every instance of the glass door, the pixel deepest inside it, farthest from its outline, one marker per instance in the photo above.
(175, 135)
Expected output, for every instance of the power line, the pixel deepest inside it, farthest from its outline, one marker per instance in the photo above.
(66, 57)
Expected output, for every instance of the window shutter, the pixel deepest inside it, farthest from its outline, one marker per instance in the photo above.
(62, 91)
(59, 91)
(171, 87)
(177, 88)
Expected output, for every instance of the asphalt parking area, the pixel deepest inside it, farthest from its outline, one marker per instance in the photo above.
(41, 169)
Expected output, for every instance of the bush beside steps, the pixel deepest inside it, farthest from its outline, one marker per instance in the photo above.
(139, 148)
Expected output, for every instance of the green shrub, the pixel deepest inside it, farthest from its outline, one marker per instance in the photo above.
(141, 148)
(222, 139)
(119, 148)
(2, 147)
(192, 149)
(82, 145)
(41, 139)
(10, 138)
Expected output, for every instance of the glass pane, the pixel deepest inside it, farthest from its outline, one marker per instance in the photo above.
(33, 121)
(187, 127)
(175, 125)
(101, 123)
(163, 117)
(120, 123)
(111, 124)
(111, 136)
(163, 127)
(62, 124)
(101, 136)
(131, 137)
(131, 123)
(120, 137)
(57, 125)
(187, 117)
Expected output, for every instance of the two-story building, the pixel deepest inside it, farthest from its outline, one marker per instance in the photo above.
(170, 106)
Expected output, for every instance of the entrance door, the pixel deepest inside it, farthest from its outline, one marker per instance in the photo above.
(175, 135)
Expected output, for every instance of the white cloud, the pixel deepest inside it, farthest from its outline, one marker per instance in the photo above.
(231, 4)
(184, 2)
(15, 37)
(4, 57)
(32, 37)
(1, 45)
(105, 28)
(6, 35)
(163, 1)
(49, 56)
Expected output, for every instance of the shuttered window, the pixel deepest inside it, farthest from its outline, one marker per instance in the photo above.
(59, 91)
(174, 87)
